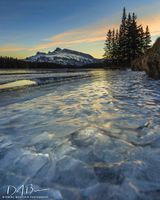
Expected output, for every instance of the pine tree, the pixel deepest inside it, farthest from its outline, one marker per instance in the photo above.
(135, 47)
(108, 45)
(127, 43)
(115, 48)
(122, 37)
(113, 45)
(147, 39)
(129, 32)
(142, 39)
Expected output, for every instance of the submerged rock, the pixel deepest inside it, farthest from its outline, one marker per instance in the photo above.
(150, 62)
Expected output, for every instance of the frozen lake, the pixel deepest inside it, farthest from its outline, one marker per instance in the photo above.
(81, 135)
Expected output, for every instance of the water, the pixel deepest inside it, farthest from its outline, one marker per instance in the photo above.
(91, 137)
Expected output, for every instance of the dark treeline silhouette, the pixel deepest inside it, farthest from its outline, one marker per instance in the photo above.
(14, 63)
(128, 42)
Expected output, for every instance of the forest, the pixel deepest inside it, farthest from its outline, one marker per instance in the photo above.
(127, 43)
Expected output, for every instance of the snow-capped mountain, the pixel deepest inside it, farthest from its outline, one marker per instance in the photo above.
(63, 57)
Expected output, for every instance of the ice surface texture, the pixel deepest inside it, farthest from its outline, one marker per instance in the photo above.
(94, 139)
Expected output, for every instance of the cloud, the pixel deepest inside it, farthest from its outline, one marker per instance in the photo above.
(74, 37)
(91, 34)
(85, 36)
(11, 48)
(71, 38)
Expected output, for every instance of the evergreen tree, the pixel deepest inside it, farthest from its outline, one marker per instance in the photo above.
(142, 39)
(127, 43)
(147, 39)
(115, 49)
(113, 45)
(123, 37)
(135, 33)
(108, 45)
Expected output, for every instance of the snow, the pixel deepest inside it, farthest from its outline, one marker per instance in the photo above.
(9, 81)
(64, 57)
(18, 83)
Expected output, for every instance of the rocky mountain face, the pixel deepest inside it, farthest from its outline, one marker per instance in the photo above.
(63, 57)
(150, 62)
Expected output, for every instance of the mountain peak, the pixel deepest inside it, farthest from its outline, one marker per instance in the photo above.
(57, 49)
(41, 53)
(63, 57)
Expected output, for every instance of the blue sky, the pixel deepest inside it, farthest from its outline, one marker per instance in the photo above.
(27, 26)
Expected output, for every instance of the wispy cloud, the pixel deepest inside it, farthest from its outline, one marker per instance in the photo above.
(69, 39)
(11, 48)
(93, 34)
(74, 37)
(82, 36)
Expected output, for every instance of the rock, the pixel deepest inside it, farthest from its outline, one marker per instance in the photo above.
(150, 62)
(137, 64)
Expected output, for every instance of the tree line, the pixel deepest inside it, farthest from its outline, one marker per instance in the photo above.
(127, 43)
(14, 63)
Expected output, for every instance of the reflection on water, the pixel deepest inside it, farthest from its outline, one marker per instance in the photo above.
(94, 138)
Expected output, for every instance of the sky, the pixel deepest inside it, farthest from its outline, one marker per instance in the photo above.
(28, 26)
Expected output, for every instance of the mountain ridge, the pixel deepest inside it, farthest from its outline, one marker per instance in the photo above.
(63, 57)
